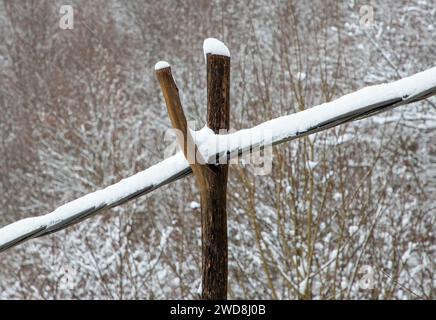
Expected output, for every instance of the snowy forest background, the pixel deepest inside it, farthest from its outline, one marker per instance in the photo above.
(81, 109)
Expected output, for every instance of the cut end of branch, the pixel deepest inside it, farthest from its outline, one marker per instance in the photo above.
(216, 47)
(161, 65)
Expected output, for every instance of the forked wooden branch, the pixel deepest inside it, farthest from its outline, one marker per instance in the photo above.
(178, 119)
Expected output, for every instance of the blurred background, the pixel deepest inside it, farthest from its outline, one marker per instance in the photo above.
(348, 213)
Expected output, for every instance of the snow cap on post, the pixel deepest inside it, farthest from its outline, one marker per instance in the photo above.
(161, 65)
(214, 46)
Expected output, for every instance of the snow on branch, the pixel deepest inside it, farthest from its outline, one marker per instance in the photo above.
(161, 65)
(360, 104)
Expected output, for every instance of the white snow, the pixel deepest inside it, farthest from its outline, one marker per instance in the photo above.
(194, 205)
(200, 288)
(290, 125)
(214, 46)
(282, 129)
(352, 229)
(302, 286)
(110, 195)
(301, 76)
(161, 65)
(312, 164)
(203, 135)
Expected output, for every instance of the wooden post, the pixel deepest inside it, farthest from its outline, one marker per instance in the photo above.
(214, 192)
(211, 178)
